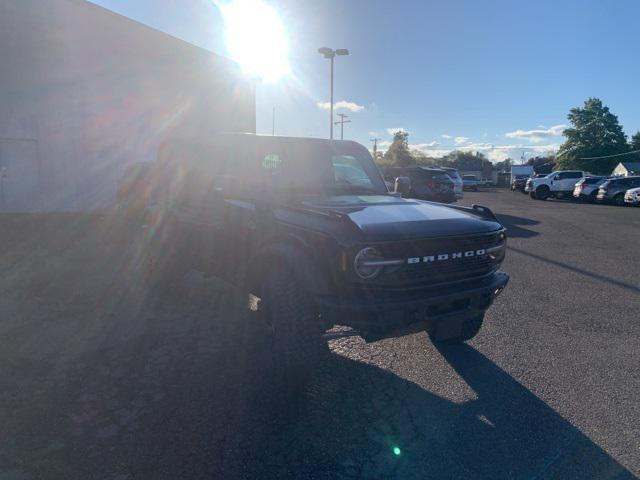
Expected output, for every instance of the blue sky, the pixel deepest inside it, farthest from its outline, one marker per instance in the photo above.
(496, 76)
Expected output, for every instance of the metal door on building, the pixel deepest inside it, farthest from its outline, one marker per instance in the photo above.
(20, 183)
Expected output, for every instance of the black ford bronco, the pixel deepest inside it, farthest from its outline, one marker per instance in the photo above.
(308, 228)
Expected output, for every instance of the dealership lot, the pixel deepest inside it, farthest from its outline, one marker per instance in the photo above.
(102, 382)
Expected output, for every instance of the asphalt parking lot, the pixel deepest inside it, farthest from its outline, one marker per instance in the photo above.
(99, 381)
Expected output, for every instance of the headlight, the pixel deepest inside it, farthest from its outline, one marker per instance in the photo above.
(369, 263)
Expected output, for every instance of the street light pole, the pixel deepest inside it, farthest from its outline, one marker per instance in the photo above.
(331, 109)
(329, 53)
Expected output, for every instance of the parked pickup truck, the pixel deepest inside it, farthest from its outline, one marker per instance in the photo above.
(309, 231)
(556, 185)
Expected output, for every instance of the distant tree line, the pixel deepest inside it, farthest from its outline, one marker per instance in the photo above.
(594, 132)
(399, 154)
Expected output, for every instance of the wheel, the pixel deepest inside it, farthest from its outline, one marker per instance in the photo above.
(593, 196)
(618, 200)
(532, 195)
(295, 334)
(523, 191)
(542, 192)
(470, 328)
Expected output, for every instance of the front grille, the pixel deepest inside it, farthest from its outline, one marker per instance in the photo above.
(440, 270)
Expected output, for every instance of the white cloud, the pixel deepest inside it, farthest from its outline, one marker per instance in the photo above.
(341, 105)
(446, 136)
(373, 134)
(460, 140)
(495, 153)
(537, 135)
(393, 130)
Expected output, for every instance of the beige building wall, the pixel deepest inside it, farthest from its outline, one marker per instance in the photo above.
(85, 92)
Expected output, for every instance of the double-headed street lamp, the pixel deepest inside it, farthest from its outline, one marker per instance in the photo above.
(329, 53)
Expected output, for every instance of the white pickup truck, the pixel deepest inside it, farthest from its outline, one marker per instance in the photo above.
(556, 184)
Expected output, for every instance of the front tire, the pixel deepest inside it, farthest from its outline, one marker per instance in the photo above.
(618, 200)
(295, 334)
(542, 193)
(470, 328)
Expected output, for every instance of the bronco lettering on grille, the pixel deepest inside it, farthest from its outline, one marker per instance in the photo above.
(441, 257)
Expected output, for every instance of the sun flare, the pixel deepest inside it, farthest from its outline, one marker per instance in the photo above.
(256, 38)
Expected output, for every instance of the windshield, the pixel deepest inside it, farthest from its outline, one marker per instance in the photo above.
(314, 167)
(593, 180)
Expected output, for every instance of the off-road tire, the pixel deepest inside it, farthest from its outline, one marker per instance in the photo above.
(470, 328)
(295, 330)
(542, 192)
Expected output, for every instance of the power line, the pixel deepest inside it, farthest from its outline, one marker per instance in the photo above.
(611, 156)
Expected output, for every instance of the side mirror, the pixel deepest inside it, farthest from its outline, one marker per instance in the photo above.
(402, 185)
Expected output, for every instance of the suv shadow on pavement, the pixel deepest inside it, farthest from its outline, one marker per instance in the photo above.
(366, 422)
(514, 226)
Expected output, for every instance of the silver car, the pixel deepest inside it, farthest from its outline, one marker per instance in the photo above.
(455, 177)
(470, 182)
(587, 188)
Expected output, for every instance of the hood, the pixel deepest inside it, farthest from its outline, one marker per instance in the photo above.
(381, 218)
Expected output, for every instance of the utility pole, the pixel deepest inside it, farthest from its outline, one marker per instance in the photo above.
(342, 121)
(375, 146)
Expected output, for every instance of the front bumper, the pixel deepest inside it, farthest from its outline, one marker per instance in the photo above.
(635, 201)
(403, 313)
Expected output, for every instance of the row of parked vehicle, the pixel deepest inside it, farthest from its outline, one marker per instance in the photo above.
(439, 184)
(580, 185)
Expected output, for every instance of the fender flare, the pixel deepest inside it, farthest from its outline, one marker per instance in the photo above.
(293, 254)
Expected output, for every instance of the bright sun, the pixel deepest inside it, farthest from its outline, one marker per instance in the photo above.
(256, 38)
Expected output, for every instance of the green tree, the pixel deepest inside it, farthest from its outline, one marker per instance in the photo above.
(595, 132)
(420, 158)
(398, 153)
(463, 160)
(504, 165)
(542, 164)
(635, 141)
